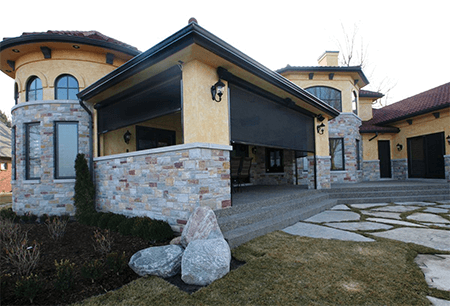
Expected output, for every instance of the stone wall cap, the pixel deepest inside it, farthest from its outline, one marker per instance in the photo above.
(187, 146)
(44, 102)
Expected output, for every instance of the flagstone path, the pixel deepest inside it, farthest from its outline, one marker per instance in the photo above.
(422, 223)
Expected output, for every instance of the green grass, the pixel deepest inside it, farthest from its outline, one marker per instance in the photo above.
(282, 269)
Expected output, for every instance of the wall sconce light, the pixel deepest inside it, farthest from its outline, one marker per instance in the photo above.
(448, 139)
(321, 128)
(399, 147)
(217, 90)
(127, 137)
(320, 117)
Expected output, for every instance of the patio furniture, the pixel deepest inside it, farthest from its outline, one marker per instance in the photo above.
(244, 174)
(235, 167)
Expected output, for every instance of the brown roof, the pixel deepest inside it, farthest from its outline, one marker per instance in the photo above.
(425, 102)
(370, 94)
(86, 34)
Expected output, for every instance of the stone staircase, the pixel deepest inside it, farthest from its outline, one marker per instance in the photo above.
(259, 210)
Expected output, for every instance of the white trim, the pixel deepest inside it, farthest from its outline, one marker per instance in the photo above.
(63, 181)
(399, 159)
(187, 146)
(31, 181)
(43, 102)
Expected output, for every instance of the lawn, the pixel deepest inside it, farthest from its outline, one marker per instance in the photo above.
(282, 269)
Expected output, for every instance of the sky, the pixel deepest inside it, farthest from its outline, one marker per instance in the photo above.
(404, 42)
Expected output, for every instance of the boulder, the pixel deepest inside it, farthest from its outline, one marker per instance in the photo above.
(204, 261)
(202, 224)
(176, 241)
(163, 261)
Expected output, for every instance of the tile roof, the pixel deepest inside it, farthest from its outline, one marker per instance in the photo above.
(5, 140)
(425, 102)
(86, 34)
(370, 94)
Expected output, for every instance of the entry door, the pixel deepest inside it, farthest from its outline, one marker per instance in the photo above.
(426, 156)
(384, 155)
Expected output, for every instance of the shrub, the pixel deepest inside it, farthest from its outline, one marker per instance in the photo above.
(9, 232)
(116, 262)
(43, 218)
(104, 219)
(22, 254)
(64, 275)
(93, 218)
(152, 230)
(102, 242)
(114, 222)
(125, 227)
(28, 287)
(57, 226)
(84, 190)
(92, 270)
(8, 214)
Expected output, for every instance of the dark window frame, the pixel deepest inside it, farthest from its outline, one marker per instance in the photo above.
(321, 95)
(27, 151)
(16, 94)
(56, 148)
(35, 90)
(68, 88)
(13, 153)
(334, 156)
(358, 154)
(276, 168)
(156, 133)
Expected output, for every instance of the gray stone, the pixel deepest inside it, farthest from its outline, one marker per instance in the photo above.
(436, 210)
(340, 207)
(317, 231)
(436, 269)
(202, 224)
(432, 238)
(359, 226)
(163, 261)
(204, 261)
(427, 218)
(438, 302)
(334, 216)
(396, 208)
(364, 206)
(396, 222)
(380, 214)
(415, 203)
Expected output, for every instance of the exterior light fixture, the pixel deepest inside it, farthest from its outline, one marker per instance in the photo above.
(321, 128)
(448, 139)
(76, 46)
(320, 117)
(399, 147)
(16, 50)
(217, 90)
(127, 137)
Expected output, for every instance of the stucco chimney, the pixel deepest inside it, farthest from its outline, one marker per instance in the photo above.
(329, 58)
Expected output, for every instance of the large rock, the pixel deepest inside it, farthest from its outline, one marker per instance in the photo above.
(164, 261)
(202, 224)
(204, 261)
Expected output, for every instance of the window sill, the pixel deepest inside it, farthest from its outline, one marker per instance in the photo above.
(339, 171)
(31, 181)
(63, 181)
(274, 173)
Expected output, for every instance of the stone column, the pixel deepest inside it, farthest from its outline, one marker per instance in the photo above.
(371, 170)
(323, 172)
(400, 169)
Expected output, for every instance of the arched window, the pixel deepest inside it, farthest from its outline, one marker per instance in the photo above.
(328, 95)
(16, 94)
(34, 89)
(66, 87)
(355, 103)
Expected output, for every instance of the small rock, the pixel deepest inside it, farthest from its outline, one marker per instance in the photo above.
(163, 261)
(176, 241)
(202, 224)
(204, 261)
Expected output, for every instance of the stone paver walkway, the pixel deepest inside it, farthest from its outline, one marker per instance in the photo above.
(422, 223)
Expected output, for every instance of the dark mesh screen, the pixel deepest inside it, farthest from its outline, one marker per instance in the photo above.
(259, 121)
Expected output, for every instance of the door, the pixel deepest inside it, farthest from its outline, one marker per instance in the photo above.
(384, 155)
(426, 156)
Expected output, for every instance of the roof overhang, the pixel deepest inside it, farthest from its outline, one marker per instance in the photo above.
(194, 42)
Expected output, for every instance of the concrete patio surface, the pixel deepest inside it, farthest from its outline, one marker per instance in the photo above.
(422, 223)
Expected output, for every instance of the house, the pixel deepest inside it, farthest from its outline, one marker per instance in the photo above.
(5, 158)
(162, 128)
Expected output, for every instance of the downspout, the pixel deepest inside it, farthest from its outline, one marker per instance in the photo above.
(376, 135)
(91, 139)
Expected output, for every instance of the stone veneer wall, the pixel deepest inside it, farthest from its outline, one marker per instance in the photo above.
(323, 170)
(258, 171)
(447, 167)
(346, 126)
(371, 170)
(164, 183)
(399, 169)
(46, 195)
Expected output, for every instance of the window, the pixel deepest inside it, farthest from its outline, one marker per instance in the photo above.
(66, 87)
(274, 160)
(66, 149)
(34, 89)
(328, 95)
(355, 103)
(33, 151)
(16, 94)
(358, 155)
(148, 138)
(4, 166)
(337, 153)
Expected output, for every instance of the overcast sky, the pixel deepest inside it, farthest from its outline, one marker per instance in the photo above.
(405, 44)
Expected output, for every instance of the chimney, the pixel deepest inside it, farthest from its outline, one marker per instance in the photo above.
(329, 58)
